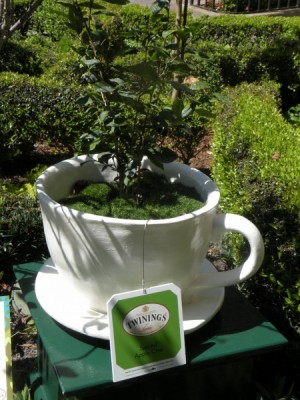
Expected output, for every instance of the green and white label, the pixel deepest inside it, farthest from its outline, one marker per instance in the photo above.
(146, 331)
(6, 390)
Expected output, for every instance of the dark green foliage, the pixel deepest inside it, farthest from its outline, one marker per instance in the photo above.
(50, 20)
(222, 51)
(21, 230)
(293, 115)
(240, 49)
(257, 168)
(137, 22)
(22, 58)
(31, 112)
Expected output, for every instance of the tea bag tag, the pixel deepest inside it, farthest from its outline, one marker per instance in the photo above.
(146, 331)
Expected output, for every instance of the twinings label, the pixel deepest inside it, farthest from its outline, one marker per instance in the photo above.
(146, 331)
(146, 319)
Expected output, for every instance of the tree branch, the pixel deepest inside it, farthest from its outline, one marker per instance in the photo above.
(7, 24)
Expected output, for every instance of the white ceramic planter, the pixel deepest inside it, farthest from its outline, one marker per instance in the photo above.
(101, 256)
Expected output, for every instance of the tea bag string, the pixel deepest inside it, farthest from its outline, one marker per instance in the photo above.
(143, 254)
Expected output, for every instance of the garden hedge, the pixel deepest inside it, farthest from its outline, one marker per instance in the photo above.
(239, 48)
(257, 167)
(32, 111)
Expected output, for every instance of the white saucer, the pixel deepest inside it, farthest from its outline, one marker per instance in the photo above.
(67, 306)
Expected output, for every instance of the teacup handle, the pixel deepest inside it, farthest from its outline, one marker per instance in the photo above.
(231, 223)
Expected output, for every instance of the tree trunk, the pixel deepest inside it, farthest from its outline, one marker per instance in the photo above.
(176, 76)
(8, 24)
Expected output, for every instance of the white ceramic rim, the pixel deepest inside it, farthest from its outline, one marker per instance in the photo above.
(213, 197)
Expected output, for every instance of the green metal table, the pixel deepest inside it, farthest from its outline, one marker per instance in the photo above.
(221, 356)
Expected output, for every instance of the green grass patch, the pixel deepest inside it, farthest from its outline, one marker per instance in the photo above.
(150, 199)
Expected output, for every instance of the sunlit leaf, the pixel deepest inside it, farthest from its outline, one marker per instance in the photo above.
(177, 106)
(90, 63)
(166, 34)
(187, 111)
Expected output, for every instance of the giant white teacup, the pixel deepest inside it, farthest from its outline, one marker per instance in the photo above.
(102, 256)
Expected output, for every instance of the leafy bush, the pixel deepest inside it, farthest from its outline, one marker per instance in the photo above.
(293, 115)
(251, 49)
(50, 20)
(21, 229)
(22, 58)
(257, 168)
(32, 112)
(136, 20)
(63, 70)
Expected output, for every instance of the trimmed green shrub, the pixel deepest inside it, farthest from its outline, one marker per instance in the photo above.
(240, 30)
(16, 56)
(257, 168)
(136, 18)
(50, 20)
(63, 70)
(21, 229)
(240, 49)
(32, 112)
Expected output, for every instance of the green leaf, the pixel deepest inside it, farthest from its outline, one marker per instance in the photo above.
(135, 104)
(118, 81)
(166, 34)
(200, 85)
(85, 100)
(183, 34)
(187, 111)
(66, 3)
(177, 107)
(99, 36)
(203, 112)
(181, 87)
(167, 115)
(104, 87)
(160, 5)
(103, 116)
(94, 145)
(180, 67)
(157, 53)
(161, 155)
(144, 70)
(90, 63)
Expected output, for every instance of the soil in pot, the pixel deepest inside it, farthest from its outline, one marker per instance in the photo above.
(152, 198)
